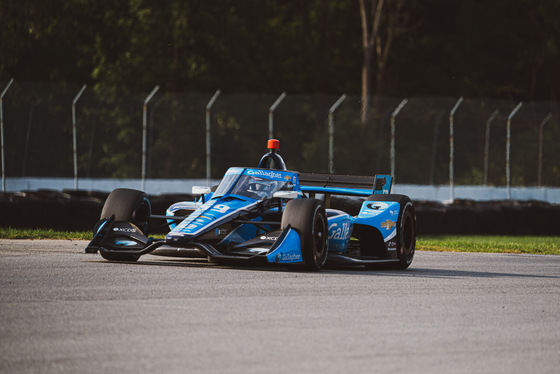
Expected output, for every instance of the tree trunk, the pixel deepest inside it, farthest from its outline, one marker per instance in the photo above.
(369, 38)
(366, 84)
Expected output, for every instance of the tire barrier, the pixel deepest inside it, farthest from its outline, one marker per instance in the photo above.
(469, 217)
(80, 211)
(65, 211)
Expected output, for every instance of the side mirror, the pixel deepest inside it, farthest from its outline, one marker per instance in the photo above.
(197, 190)
(287, 194)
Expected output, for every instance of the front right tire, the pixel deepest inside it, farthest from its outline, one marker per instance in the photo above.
(127, 205)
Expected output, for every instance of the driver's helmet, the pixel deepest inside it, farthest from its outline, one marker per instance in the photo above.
(262, 187)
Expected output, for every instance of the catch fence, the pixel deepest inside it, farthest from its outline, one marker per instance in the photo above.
(178, 128)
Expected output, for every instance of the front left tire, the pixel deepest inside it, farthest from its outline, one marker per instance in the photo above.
(309, 219)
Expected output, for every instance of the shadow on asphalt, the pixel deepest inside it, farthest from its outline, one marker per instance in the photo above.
(453, 273)
(360, 271)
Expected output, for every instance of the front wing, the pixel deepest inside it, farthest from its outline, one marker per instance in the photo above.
(120, 237)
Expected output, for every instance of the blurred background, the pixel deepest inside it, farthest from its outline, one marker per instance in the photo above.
(495, 55)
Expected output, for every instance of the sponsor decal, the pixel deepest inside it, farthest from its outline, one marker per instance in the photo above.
(265, 237)
(288, 257)
(388, 224)
(291, 257)
(264, 173)
(221, 231)
(377, 206)
(220, 208)
(205, 215)
(374, 208)
(337, 232)
(123, 229)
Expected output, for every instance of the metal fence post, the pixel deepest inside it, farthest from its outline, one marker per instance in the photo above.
(487, 145)
(145, 134)
(271, 115)
(508, 145)
(451, 150)
(28, 135)
(393, 153)
(2, 134)
(541, 126)
(209, 138)
(331, 131)
(74, 143)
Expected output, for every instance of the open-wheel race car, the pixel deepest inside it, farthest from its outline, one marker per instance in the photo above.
(269, 215)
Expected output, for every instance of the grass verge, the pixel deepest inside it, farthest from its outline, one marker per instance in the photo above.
(544, 245)
(10, 233)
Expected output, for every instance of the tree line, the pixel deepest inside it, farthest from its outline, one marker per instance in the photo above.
(495, 54)
(503, 49)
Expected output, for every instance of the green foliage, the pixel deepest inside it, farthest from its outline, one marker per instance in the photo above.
(495, 244)
(500, 49)
(312, 49)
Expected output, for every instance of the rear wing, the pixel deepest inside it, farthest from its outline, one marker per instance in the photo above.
(350, 185)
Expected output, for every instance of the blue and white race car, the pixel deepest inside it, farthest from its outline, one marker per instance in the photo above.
(269, 215)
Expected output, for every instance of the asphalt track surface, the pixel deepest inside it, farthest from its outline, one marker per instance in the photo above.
(62, 311)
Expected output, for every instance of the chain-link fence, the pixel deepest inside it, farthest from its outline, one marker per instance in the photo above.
(38, 135)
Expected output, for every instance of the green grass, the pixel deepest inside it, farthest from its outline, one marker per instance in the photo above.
(10, 233)
(542, 245)
(549, 245)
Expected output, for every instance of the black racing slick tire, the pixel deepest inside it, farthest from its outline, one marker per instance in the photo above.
(406, 228)
(127, 205)
(309, 219)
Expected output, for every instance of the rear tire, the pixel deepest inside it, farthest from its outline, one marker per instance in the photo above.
(309, 219)
(406, 228)
(127, 205)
